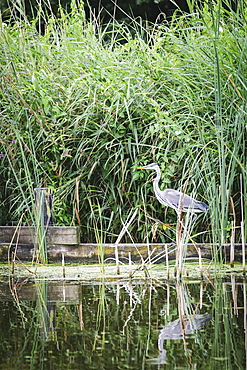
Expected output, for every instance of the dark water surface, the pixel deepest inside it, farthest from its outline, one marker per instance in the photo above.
(123, 325)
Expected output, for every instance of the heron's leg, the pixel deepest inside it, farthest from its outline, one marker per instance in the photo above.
(194, 217)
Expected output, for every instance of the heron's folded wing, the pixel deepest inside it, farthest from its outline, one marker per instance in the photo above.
(176, 199)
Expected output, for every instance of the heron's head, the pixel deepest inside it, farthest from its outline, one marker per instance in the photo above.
(152, 166)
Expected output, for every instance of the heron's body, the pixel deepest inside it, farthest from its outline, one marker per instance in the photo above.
(174, 198)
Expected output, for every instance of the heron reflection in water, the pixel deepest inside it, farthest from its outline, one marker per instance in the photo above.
(177, 330)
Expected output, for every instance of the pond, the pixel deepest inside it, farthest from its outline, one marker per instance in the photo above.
(123, 324)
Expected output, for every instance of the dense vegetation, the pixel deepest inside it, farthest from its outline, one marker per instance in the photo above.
(83, 105)
(104, 9)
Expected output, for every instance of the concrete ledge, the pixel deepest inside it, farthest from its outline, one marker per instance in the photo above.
(66, 235)
(90, 253)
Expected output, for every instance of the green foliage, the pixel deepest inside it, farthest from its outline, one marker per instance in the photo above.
(83, 105)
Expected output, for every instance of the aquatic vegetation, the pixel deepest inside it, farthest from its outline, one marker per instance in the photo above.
(84, 104)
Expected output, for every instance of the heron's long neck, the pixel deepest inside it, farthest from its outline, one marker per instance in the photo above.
(156, 181)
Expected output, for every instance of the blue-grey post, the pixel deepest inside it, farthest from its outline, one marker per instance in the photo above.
(43, 200)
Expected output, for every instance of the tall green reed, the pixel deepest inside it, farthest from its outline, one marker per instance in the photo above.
(224, 158)
(26, 176)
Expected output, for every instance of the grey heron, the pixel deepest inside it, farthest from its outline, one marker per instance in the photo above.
(174, 198)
